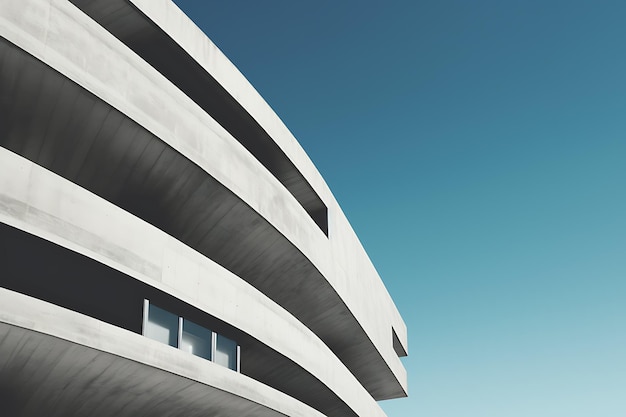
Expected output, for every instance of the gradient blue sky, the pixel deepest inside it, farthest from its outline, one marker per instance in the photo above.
(479, 150)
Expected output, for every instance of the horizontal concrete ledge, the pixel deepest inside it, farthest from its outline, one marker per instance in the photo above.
(157, 48)
(170, 19)
(45, 205)
(64, 38)
(53, 358)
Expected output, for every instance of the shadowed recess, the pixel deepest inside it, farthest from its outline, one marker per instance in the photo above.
(79, 283)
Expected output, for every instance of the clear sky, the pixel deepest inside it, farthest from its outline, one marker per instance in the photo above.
(479, 150)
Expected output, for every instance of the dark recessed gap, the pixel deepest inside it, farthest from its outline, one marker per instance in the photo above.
(44, 270)
(397, 345)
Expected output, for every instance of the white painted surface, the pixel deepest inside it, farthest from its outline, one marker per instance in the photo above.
(29, 313)
(41, 203)
(67, 40)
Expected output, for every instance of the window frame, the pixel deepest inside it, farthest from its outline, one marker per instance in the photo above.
(181, 319)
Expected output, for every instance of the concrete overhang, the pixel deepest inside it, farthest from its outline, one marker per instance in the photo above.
(101, 269)
(56, 359)
(385, 378)
(129, 24)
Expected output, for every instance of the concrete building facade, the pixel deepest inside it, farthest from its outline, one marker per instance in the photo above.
(167, 246)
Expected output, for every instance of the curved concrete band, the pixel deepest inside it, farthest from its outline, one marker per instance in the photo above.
(352, 350)
(131, 374)
(46, 205)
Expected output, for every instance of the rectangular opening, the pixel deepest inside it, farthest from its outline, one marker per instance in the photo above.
(397, 345)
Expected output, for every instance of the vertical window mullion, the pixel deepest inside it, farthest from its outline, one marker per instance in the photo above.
(213, 345)
(144, 324)
(238, 358)
(180, 332)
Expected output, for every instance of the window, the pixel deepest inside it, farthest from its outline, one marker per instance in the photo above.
(196, 340)
(160, 325)
(226, 352)
(176, 331)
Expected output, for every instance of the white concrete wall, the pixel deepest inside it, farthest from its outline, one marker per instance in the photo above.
(346, 278)
(45, 318)
(44, 204)
(60, 35)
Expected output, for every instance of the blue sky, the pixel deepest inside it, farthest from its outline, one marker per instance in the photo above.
(479, 151)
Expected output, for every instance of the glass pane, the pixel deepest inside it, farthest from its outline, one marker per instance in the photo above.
(226, 352)
(162, 326)
(196, 340)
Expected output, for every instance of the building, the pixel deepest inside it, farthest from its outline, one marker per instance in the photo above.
(167, 246)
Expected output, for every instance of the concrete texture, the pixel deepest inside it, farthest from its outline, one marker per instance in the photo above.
(155, 46)
(286, 351)
(78, 102)
(56, 362)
